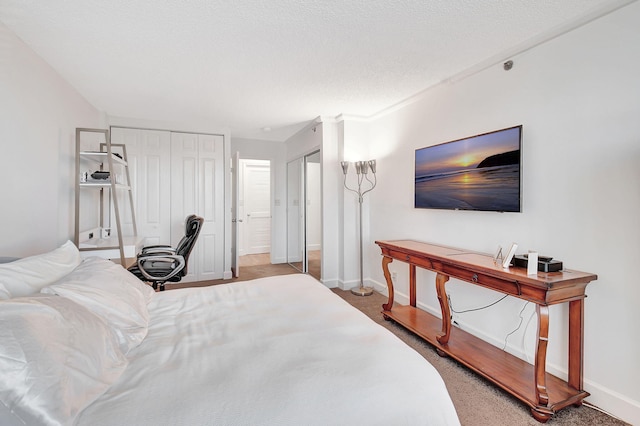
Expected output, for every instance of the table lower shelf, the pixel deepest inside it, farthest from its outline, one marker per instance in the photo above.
(505, 370)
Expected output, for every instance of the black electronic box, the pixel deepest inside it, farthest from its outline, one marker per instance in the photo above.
(545, 263)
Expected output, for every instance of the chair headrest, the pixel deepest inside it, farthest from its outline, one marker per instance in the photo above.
(193, 223)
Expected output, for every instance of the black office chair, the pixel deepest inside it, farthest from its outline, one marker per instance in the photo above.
(159, 264)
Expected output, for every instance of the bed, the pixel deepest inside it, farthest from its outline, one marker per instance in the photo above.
(86, 343)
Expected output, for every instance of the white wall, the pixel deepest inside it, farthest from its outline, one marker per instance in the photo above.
(252, 149)
(578, 99)
(306, 141)
(332, 203)
(39, 112)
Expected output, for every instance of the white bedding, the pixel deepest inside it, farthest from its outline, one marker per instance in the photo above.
(91, 345)
(281, 350)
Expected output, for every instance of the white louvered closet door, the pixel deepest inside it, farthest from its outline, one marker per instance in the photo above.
(197, 186)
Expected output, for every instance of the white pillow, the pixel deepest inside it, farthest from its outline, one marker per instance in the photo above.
(111, 292)
(56, 358)
(27, 276)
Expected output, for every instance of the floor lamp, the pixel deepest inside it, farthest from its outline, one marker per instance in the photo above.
(362, 169)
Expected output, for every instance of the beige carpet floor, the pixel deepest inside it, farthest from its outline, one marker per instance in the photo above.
(477, 401)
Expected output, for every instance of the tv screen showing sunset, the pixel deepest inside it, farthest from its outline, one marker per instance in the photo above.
(477, 173)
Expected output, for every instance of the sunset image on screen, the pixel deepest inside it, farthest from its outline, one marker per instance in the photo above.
(477, 173)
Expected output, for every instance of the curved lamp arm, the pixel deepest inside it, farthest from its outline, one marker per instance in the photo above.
(362, 172)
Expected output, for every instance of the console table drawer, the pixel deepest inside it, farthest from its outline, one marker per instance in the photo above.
(502, 285)
(414, 260)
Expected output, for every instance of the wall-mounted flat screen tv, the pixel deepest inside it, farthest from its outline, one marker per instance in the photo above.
(476, 173)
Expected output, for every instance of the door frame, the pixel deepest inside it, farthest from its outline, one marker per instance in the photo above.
(235, 235)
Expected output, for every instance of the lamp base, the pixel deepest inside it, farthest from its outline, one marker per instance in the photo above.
(362, 291)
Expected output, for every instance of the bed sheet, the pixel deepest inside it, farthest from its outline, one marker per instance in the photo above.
(280, 350)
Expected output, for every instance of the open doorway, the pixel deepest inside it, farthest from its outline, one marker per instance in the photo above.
(254, 210)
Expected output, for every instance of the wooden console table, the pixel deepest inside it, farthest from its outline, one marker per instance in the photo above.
(543, 392)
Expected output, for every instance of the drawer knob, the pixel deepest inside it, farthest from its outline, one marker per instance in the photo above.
(474, 278)
(408, 258)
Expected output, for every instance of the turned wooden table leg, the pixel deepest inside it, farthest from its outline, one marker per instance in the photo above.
(387, 276)
(441, 280)
(540, 376)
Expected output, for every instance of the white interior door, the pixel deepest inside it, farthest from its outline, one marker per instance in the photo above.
(256, 178)
(197, 187)
(148, 155)
(211, 206)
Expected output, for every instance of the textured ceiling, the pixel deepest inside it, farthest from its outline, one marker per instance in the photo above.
(251, 64)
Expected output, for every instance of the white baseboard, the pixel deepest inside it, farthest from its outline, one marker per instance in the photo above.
(348, 285)
(612, 402)
(332, 283)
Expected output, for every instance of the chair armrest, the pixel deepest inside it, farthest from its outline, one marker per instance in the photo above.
(157, 249)
(156, 246)
(171, 259)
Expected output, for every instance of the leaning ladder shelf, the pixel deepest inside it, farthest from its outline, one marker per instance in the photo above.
(104, 157)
